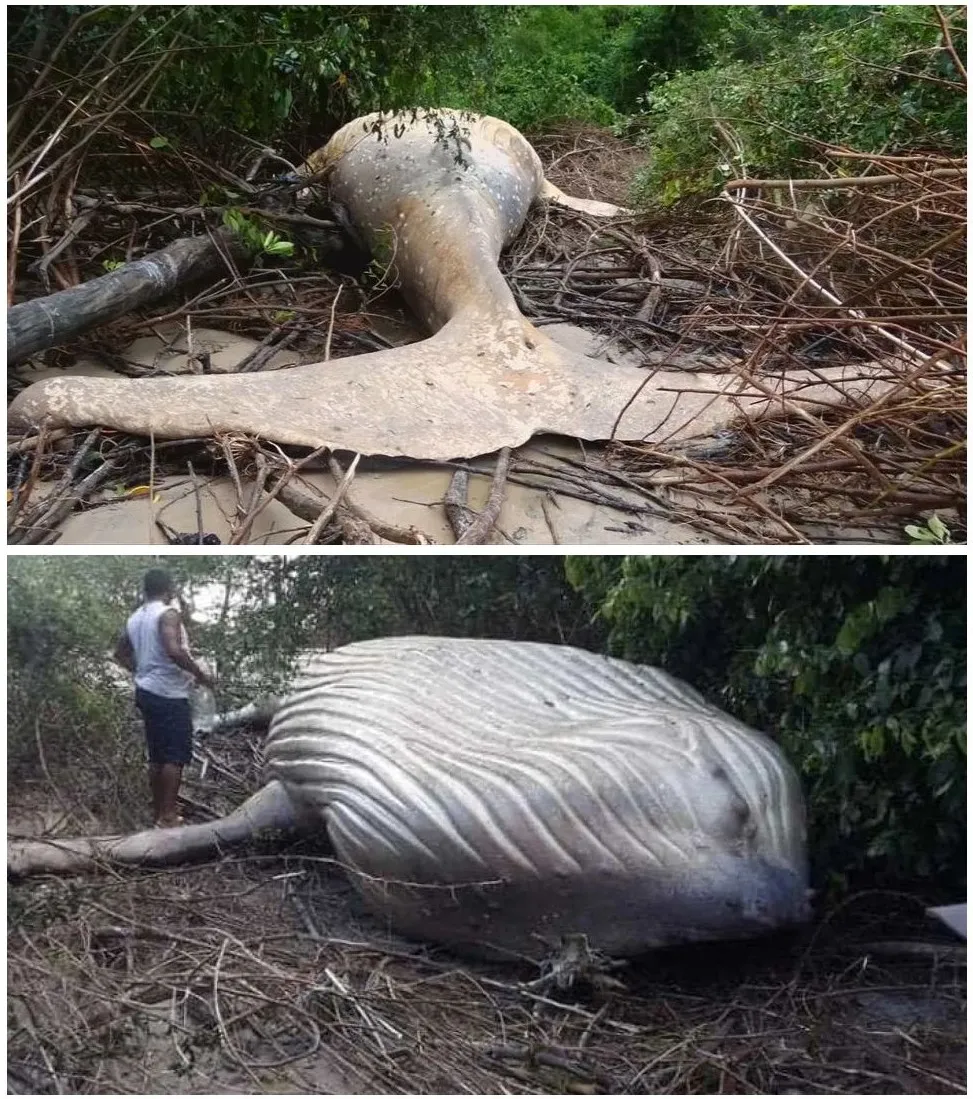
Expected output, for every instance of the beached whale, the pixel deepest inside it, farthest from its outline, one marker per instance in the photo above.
(436, 195)
(503, 796)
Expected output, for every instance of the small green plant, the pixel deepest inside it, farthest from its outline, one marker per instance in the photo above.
(934, 533)
(253, 237)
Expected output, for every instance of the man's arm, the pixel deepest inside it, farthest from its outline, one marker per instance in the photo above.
(124, 654)
(170, 631)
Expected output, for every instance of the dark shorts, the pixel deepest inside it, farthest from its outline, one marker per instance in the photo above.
(168, 727)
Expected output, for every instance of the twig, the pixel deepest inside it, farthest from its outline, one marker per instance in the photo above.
(478, 531)
(199, 504)
(948, 40)
(325, 517)
(334, 306)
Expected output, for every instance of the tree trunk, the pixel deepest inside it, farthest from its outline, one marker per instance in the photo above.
(35, 325)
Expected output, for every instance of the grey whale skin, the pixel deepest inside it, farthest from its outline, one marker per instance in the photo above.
(499, 795)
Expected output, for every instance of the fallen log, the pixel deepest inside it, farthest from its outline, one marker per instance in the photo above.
(36, 325)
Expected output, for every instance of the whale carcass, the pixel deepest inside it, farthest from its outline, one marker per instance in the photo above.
(436, 195)
(500, 796)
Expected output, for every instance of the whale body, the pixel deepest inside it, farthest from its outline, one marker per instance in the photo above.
(505, 797)
(501, 795)
(436, 195)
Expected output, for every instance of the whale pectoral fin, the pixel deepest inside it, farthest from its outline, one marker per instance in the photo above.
(270, 808)
(550, 193)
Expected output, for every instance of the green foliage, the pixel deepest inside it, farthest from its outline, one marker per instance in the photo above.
(69, 708)
(65, 709)
(715, 90)
(258, 241)
(871, 78)
(265, 70)
(855, 664)
(934, 533)
(553, 63)
(287, 604)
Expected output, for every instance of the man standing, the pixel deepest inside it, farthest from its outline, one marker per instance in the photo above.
(153, 647)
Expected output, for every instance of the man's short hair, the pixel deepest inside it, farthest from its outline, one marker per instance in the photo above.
(157, 583)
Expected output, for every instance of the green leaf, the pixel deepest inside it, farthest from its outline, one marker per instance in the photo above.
(939, 528)
(159, 142)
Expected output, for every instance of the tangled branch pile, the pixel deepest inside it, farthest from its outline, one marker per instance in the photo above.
(863, 265)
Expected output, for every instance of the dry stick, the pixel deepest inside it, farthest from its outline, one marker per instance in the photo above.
(843, 428)
(251, 509)
(902, 345)
(12, 249)
(42, 757)
(17, 155)
(912, 475)
(308, 507)
(832, 183)
(455, 503)
(23, 494)
(277, 340)
(78, 225)
(220, 1023)
(546, 505)
(842, 152)
(292, 468)
(64, 484)
(234, 472)
(948, 39)
(32, 181)
(325, 517)
(44, 531)
(334, 306)
(199, 504)
(937, 246)
(151, 519)
(479, 529)
(405, 535)
(865, 249)
(31, 442)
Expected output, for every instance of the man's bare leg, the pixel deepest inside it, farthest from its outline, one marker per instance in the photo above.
(155, 785)
(170, 779)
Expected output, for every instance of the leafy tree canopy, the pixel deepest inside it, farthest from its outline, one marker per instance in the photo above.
(713, 90)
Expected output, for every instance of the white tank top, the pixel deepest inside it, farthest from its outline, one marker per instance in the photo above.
(154, 670)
